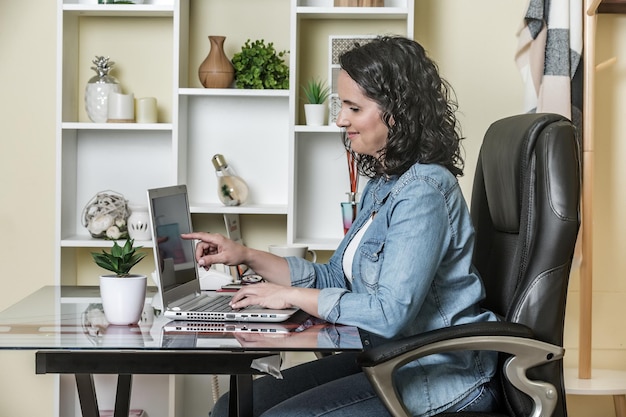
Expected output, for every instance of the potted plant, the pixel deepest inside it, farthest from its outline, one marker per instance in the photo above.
(316, 92)
(123, 294)
(260, 66)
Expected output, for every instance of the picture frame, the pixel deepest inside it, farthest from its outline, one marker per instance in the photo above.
(337, 45)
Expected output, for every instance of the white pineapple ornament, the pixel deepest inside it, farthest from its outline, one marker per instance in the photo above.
(98, 89)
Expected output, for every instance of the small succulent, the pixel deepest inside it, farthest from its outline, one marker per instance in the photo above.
(120, 259)
(316, 91)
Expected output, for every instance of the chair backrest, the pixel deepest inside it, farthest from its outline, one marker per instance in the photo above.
(525, 208)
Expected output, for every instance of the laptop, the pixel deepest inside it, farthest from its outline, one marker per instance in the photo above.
(177, 270)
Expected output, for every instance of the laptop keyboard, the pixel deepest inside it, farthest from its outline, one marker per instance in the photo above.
(219, 304)
(204, 303)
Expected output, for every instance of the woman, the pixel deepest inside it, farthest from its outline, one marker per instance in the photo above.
(405, 265)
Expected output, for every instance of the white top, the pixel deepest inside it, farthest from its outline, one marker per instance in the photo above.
(348, 255)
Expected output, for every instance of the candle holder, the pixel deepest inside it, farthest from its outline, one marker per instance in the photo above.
(146, 110)
(349, 210)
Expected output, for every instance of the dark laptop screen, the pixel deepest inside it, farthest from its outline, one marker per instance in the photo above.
(175, 256)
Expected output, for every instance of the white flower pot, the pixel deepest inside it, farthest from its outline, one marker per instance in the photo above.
(123, 299)
(315, 114)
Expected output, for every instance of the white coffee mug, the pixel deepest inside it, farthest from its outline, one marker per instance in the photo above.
(299, 251)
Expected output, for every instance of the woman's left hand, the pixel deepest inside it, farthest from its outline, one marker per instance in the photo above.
(265, 294)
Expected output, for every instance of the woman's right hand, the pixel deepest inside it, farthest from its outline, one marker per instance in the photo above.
(214, 248)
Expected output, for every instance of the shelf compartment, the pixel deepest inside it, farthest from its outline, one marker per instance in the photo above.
(103, 35)
(321, 183)
(254, 141)
(100, 160)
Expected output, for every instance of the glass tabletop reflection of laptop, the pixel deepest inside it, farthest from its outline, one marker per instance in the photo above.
(177, 270)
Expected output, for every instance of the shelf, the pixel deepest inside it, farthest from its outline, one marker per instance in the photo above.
(232, 92)
(121, 10)
(378, 13)
(116, 126)
(317, 129)
(602, 382)
(86, 241)
(245, 209)
(319, 244)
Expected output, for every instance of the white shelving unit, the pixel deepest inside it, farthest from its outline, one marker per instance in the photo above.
(293, 170)
(317, 163)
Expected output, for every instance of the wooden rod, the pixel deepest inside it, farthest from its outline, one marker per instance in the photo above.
(586, 270)
(586, 267)
(605, 64)
(593, 7)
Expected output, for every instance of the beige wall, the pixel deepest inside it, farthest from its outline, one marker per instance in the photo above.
(27, 162)
(473, 42)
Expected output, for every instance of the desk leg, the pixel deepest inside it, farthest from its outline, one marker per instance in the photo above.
(240, 396)
(122, 396)
(89, 401)
(620, 405)
(87, 395)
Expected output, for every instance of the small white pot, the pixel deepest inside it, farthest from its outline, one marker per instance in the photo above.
(123, 299)
(315, 114)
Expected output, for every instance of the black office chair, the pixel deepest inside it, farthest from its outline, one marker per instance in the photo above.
(525, 208)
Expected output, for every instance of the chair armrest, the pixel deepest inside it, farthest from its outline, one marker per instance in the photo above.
(380, 363)
(395, 348)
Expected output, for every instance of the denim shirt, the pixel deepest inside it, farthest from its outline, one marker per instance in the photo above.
(412, 272)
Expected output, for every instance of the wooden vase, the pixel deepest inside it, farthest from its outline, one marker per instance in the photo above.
(216, 71)
(346, 3)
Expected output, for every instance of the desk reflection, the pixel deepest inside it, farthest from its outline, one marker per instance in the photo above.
(300, 333)
(306, 336)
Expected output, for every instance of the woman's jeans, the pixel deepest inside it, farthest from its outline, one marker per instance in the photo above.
(332, 386)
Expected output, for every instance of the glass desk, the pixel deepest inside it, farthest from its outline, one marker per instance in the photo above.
(67, 329)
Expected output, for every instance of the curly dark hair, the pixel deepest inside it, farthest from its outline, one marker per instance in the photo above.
(418, 106)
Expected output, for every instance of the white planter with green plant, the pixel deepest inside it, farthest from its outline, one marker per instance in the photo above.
(316, 92)
(123, 294)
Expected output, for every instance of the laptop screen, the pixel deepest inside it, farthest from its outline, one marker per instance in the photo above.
(175, 257)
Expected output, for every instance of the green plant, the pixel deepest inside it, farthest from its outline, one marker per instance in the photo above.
(260, 66)
(316, 91)
(120, 259)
